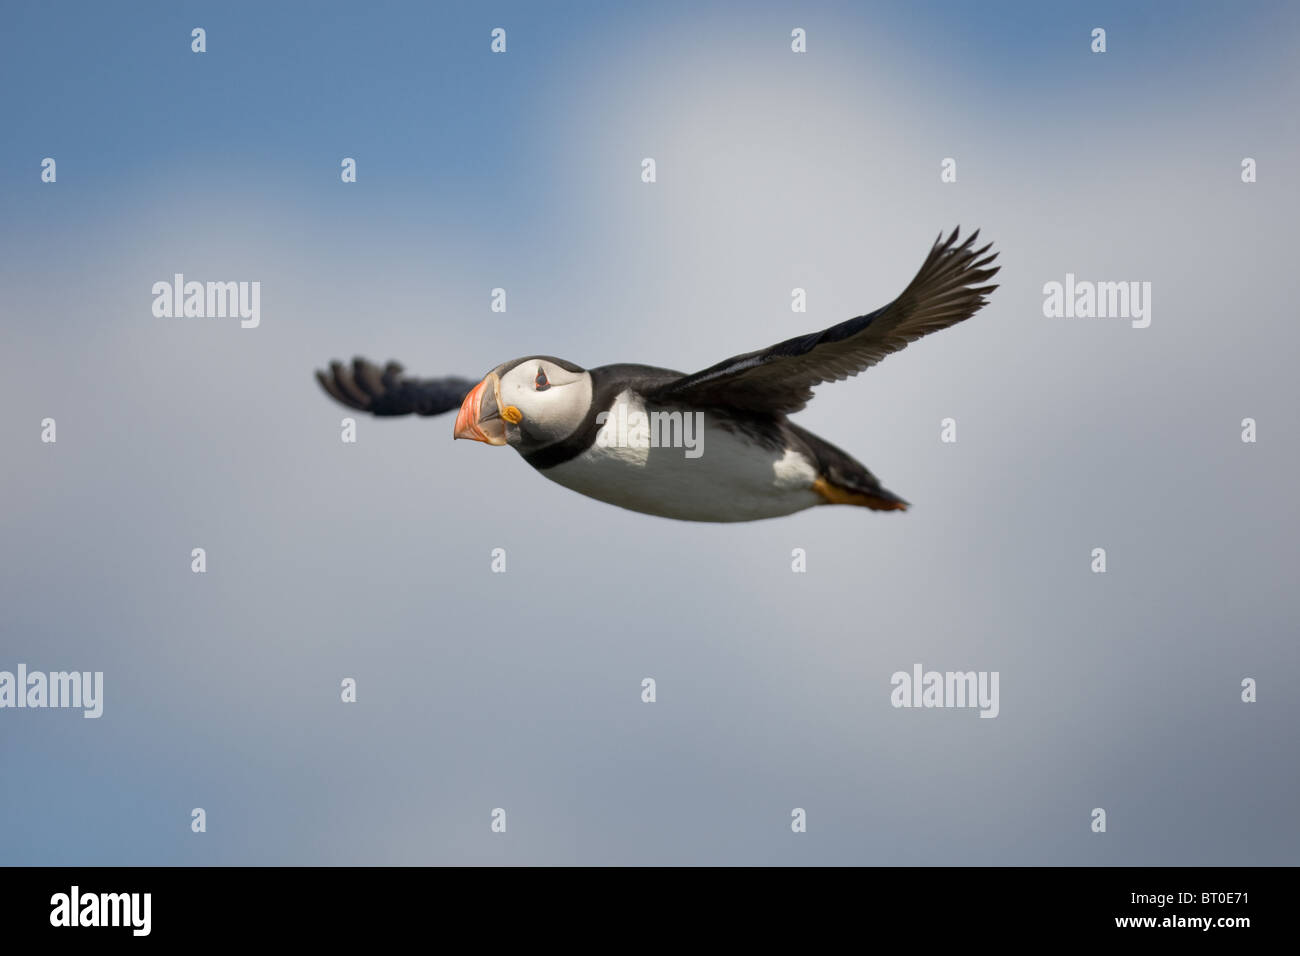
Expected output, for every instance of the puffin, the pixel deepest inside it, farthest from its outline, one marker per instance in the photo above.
(716, 445)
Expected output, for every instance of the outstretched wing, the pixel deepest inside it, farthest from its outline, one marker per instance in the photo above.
(385, 391)
(946, 290)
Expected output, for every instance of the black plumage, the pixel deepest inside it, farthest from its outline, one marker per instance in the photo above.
(780, 378)
(368, 388)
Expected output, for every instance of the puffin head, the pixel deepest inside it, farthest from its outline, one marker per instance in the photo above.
(528, 403)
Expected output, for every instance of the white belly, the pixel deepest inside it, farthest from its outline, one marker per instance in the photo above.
(732, 479)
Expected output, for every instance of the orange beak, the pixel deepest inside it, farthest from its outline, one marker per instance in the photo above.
(479, 417)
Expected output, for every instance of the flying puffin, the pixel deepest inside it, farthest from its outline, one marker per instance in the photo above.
(731, 453)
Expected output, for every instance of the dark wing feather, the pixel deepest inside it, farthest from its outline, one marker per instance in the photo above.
(368, 388)
(946, 290)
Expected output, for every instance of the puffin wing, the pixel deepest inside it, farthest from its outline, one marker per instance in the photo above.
(779, 379)
(386, 391)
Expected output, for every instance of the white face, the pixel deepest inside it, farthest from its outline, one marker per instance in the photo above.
(552, 402)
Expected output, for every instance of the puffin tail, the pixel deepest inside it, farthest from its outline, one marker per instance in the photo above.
(843, 480)
(878, 499)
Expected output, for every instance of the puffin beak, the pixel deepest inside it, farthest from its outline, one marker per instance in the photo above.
(480, 414)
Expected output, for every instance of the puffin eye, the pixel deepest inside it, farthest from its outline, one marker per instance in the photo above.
(540, 382)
